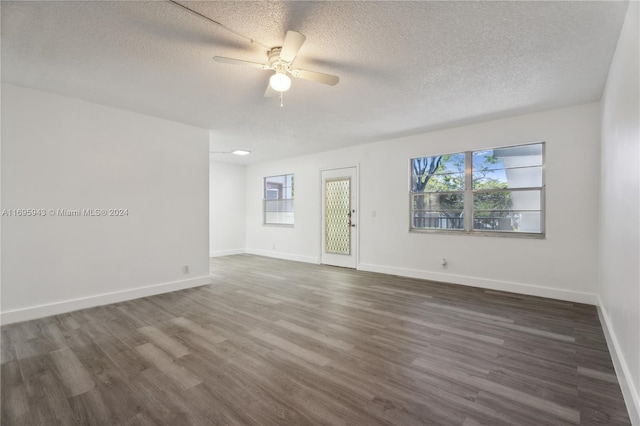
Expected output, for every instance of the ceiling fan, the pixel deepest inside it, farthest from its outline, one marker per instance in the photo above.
(280, 60)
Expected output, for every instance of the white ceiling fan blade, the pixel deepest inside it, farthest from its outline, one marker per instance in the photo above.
(292, 44)
(270, 93)
(240, 62)
(318, 77)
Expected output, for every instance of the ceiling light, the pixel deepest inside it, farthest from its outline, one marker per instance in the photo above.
(280, 82)
(241, 152)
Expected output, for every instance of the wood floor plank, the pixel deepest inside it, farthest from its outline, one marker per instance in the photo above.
(15, 404)
(182, 377)
(290, 347)
(90, 408)
(165, 342)
(275, 342)
(595, 374)
(563, 412)
(447, 329)
(140, 419)
(164, 404)
(73, 374)
(265, 299)
(195, 328)
(517, 413)
(336, 343)
(468, 311)
(48, 401)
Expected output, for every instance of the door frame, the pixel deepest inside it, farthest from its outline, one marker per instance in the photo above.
(356, 217)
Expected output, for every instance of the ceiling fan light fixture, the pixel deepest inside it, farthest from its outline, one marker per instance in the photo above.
(280, 82)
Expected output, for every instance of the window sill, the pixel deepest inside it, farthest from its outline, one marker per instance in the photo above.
(500, 234)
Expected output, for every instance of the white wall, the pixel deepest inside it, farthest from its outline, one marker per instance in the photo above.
(620, 212)
(227, 208)
(63, 153)
(561, 266)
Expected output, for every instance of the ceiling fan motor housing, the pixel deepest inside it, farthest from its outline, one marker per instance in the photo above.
(274, 57)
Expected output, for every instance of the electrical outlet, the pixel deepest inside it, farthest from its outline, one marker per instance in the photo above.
(185, 269)
(444, 263)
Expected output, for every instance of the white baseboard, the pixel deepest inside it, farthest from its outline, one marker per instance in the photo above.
(220, 253)
(285, 256)
(630, 393)
(528, 289)
(41, 311)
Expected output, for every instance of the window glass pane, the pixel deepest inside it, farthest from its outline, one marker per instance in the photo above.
(288, 192)
(518, 211)
(276, 180)
(278, 211)
(509, 221)
(438, 173)
(278, 200)
(524, 177)
(513, 167)
(438, 220)
(272, 190)
(506, 200)
(445, 182)
(514, 156)
(438, 202)
(278, 205)
(272, 193)
(521, 156)
(438, 211)
(495, 200)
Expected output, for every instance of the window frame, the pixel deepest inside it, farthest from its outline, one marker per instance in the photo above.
(265, 199)
(469, 191)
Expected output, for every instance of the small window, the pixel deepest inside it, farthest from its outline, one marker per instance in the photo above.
(499, 190)
(278, 200)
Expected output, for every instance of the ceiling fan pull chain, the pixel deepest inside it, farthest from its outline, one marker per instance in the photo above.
(281, 99)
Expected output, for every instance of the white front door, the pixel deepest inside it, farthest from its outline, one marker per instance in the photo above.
(339, 217)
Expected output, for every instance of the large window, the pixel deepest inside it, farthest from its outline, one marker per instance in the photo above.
(499, 190)
(278, 200)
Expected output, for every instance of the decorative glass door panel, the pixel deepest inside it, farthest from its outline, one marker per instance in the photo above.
(338, 216)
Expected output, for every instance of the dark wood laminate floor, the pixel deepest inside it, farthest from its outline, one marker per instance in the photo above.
(273, 342)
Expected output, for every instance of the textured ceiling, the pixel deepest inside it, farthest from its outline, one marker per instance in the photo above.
(404, 67)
